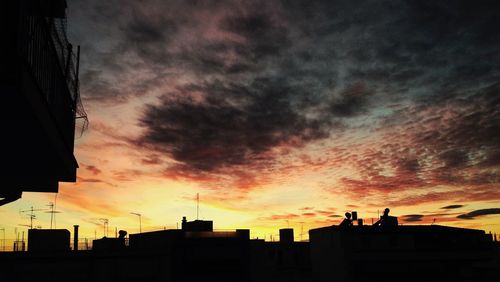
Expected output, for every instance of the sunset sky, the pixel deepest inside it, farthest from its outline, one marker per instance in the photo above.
(282, 113)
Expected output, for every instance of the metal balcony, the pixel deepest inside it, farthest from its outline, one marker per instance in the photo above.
(40, 98)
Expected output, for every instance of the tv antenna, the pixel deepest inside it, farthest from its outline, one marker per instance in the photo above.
(52, 212)
(197, 206)
(301, 230)
(105, 223)
(31, 215)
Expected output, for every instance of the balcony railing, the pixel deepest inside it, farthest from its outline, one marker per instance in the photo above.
(53, 65)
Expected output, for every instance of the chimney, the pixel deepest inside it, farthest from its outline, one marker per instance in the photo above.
(184, 221)
(75, 238)
(354, 215)
(243, 233)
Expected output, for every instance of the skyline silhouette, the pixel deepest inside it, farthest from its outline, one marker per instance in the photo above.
(196, 251)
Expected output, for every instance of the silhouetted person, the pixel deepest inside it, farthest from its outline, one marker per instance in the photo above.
(122, 234)
(347, 222)
(386, 220)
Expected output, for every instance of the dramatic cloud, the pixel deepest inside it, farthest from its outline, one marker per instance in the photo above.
(452, 207)
(281, 216)
(284, 112)
(94, 170)
(478, 213)
(81, 179)
(401, 97)
(215, 133)
(98, 202)
(427, 145)
(262, 84)
(412, 217)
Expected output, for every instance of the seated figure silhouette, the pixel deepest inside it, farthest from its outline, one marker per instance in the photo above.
(386, 220)
(347, 222)
(122, 234)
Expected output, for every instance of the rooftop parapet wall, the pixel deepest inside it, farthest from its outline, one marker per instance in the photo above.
(413, 238)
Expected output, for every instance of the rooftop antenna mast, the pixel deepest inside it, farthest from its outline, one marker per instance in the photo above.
(31, 215)
(197, 206)
(105, 222)
(52, 212)
(55, 207)
(51, 206)
(301, 230)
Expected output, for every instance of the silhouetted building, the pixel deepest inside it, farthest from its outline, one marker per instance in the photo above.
(108, 244)
(286, 235)
(48, 240)
(280, 261)
(40, 97)
(195, 253)
(424, 253)
(197, 225)
(223, 255)
(357, 253)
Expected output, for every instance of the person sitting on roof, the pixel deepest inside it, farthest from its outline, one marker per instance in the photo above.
(347, 222)
(386, 220)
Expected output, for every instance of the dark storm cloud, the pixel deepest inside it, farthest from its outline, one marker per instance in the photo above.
(440, 45)
(258, 91)
(148, 35)
(264, 36)
(477, 213)
(391, 45)
(241, 78)
(143, 30)
(352, 101)
(215, 132)
(100, 89)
